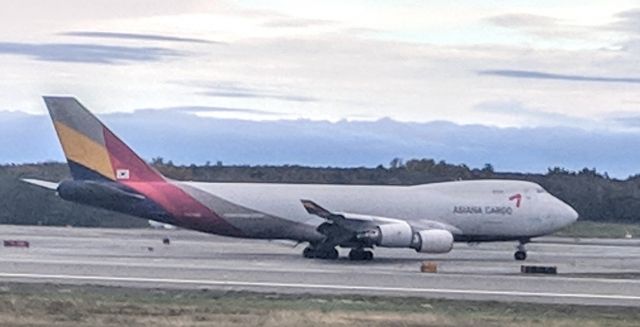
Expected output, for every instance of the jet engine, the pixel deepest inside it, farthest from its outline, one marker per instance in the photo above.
(433, 241)
(401, 235)
(395, 235)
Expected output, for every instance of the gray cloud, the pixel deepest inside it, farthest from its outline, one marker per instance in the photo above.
(522, 20)
(8, 115)
(543, 26)
(531, 116)
(137, 36)
(297, 22)
(257, 94)
(631, 121)
(530, 74)
(628, 21)
(87, 53)
(236, 90)
(210, 109)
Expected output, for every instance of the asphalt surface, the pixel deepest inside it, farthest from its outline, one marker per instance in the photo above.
(595, 272)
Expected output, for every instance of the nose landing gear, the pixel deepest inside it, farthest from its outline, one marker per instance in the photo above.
(521, 254)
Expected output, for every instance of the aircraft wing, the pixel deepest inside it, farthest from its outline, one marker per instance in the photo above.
(350, 221)
(342, 227)
(41, 183)
(315, 209)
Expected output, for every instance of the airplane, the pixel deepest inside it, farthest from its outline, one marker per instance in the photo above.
(427, 218)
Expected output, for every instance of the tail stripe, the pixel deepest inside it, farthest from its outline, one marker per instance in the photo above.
(84, 151)
(126, 165)
(72, 114)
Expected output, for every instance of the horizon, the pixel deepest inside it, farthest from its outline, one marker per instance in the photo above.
(181, 135)
(387, 166)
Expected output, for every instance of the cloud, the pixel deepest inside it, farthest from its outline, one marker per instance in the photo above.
(631, 121)
(530, 116)
(625, 28)
(522, 20)
(191, 139)
(137, 36)
(209, 109)
(87, 53)
(257, 94)
(7, 116)
(421, 71)
(530, 74)
(543, 26)
(236, 90)
(297, 22)
(628, 24)
(628, 21)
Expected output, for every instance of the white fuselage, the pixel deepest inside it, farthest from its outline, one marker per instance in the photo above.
(483, 210)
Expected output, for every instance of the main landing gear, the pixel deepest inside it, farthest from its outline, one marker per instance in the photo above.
(521, 254)
(320, 253)
(360, 255)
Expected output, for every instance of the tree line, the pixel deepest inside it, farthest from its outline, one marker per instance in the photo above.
(595, 195)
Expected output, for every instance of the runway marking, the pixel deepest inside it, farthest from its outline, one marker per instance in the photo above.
(164, 265)
(584, 296)
(511, 274)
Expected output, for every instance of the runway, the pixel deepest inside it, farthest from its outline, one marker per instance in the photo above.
(590, 272)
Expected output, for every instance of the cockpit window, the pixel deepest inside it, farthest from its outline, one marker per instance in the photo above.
(540, 190)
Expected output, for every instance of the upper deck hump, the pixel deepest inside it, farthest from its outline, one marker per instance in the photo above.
(319, 191)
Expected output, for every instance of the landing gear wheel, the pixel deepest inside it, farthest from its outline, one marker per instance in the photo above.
(360, 255)
(308, 253)
(368, 255)
(520, 255)
(355, 255)
(327, 254)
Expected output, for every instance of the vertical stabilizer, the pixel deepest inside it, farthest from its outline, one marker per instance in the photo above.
(93, 152)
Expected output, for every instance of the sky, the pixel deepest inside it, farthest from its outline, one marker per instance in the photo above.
(569, 67)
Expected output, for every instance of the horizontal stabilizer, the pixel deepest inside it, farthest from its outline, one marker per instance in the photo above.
(41, 183)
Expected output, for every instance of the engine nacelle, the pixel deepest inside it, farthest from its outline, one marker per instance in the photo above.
(395, 235)
(434, 241)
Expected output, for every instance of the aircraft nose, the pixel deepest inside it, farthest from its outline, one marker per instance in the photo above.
(569, 215)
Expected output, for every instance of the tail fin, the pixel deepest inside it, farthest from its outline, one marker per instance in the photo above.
(93, 152)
